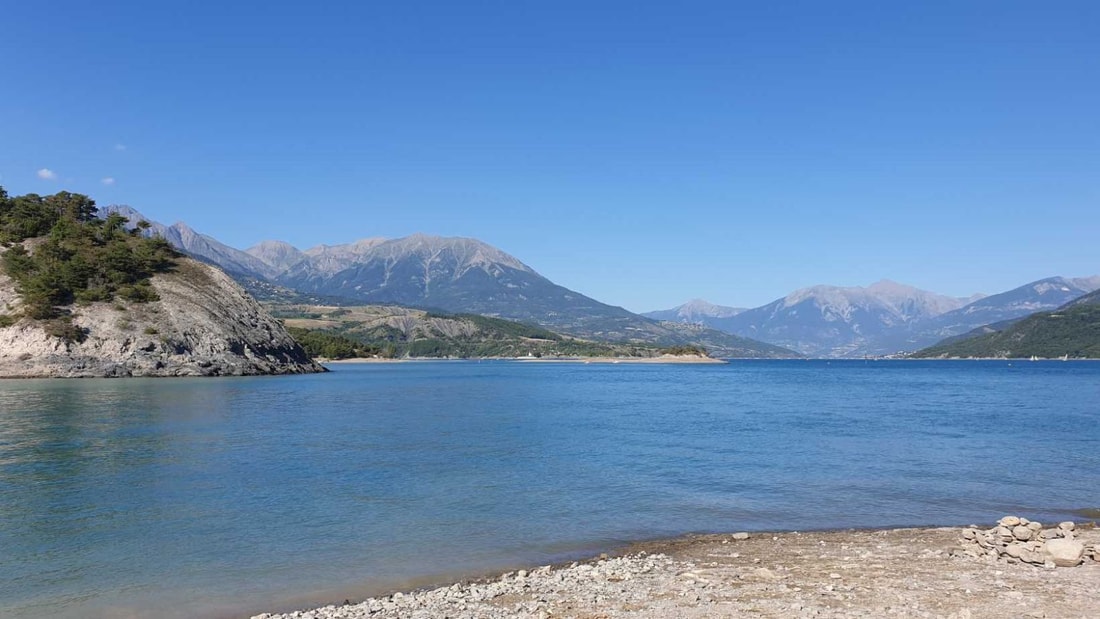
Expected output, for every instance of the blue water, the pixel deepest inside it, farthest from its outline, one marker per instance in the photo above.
(220, 497)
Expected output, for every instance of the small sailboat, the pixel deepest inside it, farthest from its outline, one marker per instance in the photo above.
(1065, 357)
(1034, 358)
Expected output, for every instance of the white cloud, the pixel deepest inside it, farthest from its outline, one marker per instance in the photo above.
(120, 147)
(47, 174)
(108, 180)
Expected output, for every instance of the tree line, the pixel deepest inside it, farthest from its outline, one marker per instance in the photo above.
(59, 251)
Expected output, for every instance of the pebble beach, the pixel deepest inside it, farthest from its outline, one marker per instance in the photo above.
(954, 572)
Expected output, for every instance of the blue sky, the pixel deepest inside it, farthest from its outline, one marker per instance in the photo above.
(641, 153)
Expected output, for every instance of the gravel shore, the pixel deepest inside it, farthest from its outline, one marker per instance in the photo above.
(889, 573)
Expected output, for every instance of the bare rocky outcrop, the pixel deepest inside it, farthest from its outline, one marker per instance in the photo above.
(203, 325)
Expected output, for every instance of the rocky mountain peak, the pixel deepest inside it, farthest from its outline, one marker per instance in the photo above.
(278, 254)
(465, 253)
(1086, 283)
(354, 248)
(888, 287)
(1056, 285)
(901, 300)
(695, 311)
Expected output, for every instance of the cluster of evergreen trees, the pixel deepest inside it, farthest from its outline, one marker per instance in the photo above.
(330, 345)
(687, 350)
(77, 257)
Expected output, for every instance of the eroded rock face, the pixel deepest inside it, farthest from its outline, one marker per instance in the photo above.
(203, 325)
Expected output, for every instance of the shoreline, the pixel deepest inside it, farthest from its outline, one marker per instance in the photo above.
(670, 359)
(612, 360)
(689, 360)
(906, 572)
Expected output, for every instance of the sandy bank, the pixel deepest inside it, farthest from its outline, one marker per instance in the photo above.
(889, 573)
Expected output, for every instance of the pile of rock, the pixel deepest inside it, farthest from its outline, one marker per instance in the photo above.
(543, 592)
(1019, 540)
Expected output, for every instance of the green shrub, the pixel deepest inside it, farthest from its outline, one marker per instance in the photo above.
(139, 293)
(65, 329)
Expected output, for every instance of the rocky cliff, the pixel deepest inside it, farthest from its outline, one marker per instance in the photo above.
(203, 325)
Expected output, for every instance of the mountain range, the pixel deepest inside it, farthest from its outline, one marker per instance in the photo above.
(462, 275)
(694, 311)
(1071, 331)
(456, 275)
(886, 318)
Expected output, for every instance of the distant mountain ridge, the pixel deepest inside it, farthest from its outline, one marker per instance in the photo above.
(887, 318)
(696, 311)
(462, 275)
(837, 321)
(1071, 331)
(208, 249)
(1044, 294)
(458, 275)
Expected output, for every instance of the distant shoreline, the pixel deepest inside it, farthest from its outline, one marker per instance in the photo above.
(688, 360)
(668, 359)
(664, 359)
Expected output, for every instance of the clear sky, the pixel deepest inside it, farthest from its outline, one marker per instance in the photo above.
(643, 153)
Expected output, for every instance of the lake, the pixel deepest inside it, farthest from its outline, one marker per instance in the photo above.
(230, 496)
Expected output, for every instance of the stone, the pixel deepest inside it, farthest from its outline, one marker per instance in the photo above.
(741, 536)
(1014, 550)
(1067, 526)
(1021, 532)
(765, 573)
(1030, 556)
(969, 534)
(1009, 521)
(1035, 526)
(1065, 552)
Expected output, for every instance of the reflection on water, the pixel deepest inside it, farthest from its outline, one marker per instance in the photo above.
(155, 498)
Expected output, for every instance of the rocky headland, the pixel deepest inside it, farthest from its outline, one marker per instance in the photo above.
(204, 324)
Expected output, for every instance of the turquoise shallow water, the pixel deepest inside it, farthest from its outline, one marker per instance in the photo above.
(220, 497)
